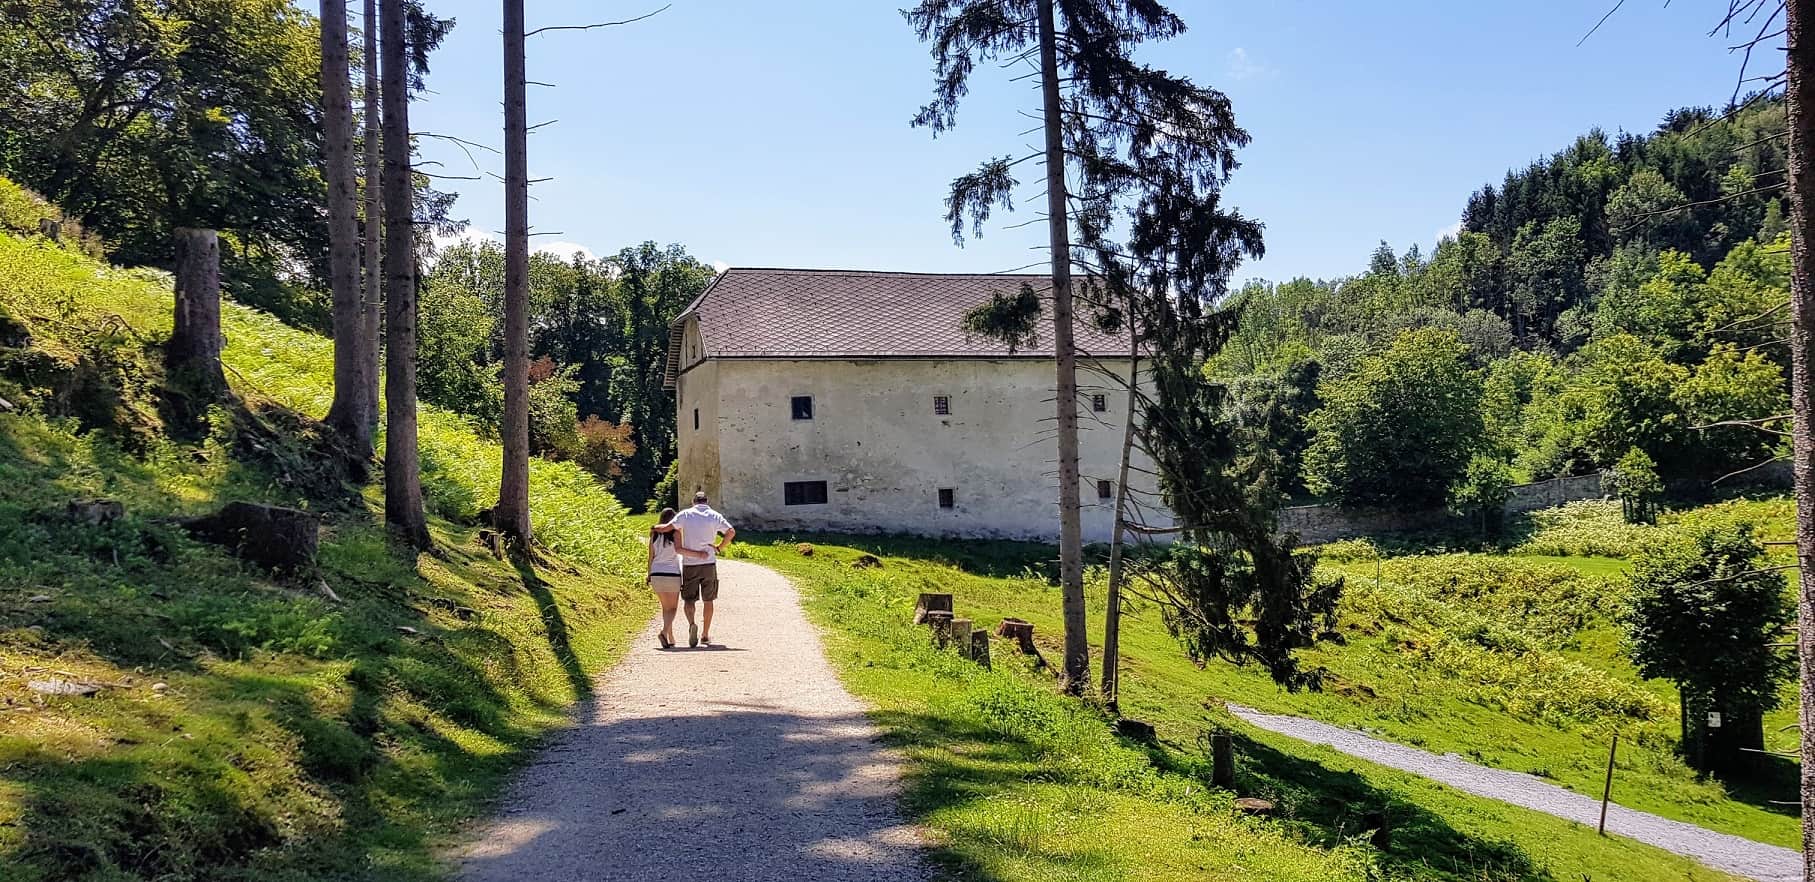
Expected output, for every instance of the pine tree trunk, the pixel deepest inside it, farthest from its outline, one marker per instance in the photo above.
(1112, 617)
(512, 514)
(1799, 37)
(1071, 534)
(350, 414)
(193, 357)
(402, 464)
(374, 226)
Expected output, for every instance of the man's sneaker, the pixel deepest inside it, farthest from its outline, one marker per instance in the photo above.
(693, 635)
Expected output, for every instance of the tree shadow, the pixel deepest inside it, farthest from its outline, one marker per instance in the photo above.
(555, 624)
(727, 792)
(1771, 783)
(994, 559)
(1330, 806)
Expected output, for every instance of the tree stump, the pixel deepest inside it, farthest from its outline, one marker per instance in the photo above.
(1135, 729)
(195, 344)
(50, 229)
(1021, 632)
(1222, 760)
(930, 602)
(282, 539)
(961, 629)
(95, 512)
(979, 648)
(941, 624)
(867, 562)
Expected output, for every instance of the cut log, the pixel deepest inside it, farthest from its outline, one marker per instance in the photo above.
(979, 649)
(867, 562)
(1222, 760)
(1254, 806)
(50, 228)
(95, 512)
(805, 549)
(931, 602)
(941, 625)
(56, 686)
(282, 539)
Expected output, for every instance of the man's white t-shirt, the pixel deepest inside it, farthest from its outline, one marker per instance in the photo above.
(699, 527)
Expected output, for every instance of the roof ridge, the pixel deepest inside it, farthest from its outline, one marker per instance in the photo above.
(863, 272)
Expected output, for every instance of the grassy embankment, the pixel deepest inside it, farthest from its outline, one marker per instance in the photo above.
(1020, 783)
(249, 727)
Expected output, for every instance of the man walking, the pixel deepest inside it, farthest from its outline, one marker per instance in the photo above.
(704, 533)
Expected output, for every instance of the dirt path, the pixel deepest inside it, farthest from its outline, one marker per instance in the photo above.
(747, 760)
(1732, 854)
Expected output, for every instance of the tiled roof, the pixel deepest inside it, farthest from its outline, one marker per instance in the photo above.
(791, 313)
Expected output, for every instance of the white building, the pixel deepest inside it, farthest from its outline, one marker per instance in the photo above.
(855, 402)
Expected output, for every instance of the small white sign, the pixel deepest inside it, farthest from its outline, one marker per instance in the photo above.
(1714, 719)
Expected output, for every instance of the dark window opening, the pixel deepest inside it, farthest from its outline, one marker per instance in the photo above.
(802, 406)
(1099, 403)
(804, 493)
(942, 405)
(948, 497)
(696, 419)
(1105, 489)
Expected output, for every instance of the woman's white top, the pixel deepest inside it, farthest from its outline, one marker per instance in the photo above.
(665, 559)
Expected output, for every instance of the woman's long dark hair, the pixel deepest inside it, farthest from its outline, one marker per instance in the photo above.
(656, 538)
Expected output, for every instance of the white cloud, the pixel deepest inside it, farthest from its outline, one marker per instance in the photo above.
(470, 234)
(719, 266)
(565, 250)
(1450, 232)
(1241, 67)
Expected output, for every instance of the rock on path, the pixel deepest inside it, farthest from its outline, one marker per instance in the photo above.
(744, 761)
(1732, 854)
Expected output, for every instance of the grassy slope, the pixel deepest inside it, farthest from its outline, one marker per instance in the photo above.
(297, 739)
(1043, 792)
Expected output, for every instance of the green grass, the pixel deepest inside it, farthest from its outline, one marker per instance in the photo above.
(1019, 783)
(293, 737)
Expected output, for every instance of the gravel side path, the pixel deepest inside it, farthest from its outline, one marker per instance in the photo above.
(1732, 854)
(743, 761)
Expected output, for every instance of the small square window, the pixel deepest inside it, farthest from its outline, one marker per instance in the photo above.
(942, 405)
(948, 497)
(1105, 489)
(1099, 403)
(803, 493)
(801, 406)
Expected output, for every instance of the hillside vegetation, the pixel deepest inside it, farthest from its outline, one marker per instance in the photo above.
(249, 726)
(1021, 783)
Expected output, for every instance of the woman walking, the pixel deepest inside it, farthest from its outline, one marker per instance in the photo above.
(665, 572)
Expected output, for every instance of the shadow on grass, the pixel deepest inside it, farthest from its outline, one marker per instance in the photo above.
(559, 640)
(1330, 806)
(1772, 784)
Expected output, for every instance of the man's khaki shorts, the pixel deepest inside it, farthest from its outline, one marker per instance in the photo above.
(699, 582)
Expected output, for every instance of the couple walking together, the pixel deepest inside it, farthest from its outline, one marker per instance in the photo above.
(683, 566)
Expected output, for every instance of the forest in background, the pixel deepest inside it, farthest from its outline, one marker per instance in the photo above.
(1607, 305)
(136, 119)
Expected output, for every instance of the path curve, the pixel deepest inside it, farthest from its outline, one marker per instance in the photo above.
(747, 760)
(1732, 854)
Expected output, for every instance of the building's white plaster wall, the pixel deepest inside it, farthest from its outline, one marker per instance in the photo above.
(883, 452)
(696, 397)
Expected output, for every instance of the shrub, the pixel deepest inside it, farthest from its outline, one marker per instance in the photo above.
(1634, 480)
(1706, 611)
(1587, 528)
(1348, 551)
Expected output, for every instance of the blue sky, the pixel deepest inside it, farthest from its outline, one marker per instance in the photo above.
(775, 133)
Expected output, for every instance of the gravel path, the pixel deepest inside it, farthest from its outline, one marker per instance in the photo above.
(745, 761)
(1732, 854)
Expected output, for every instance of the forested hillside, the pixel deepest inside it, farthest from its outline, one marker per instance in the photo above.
(1608, 304)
